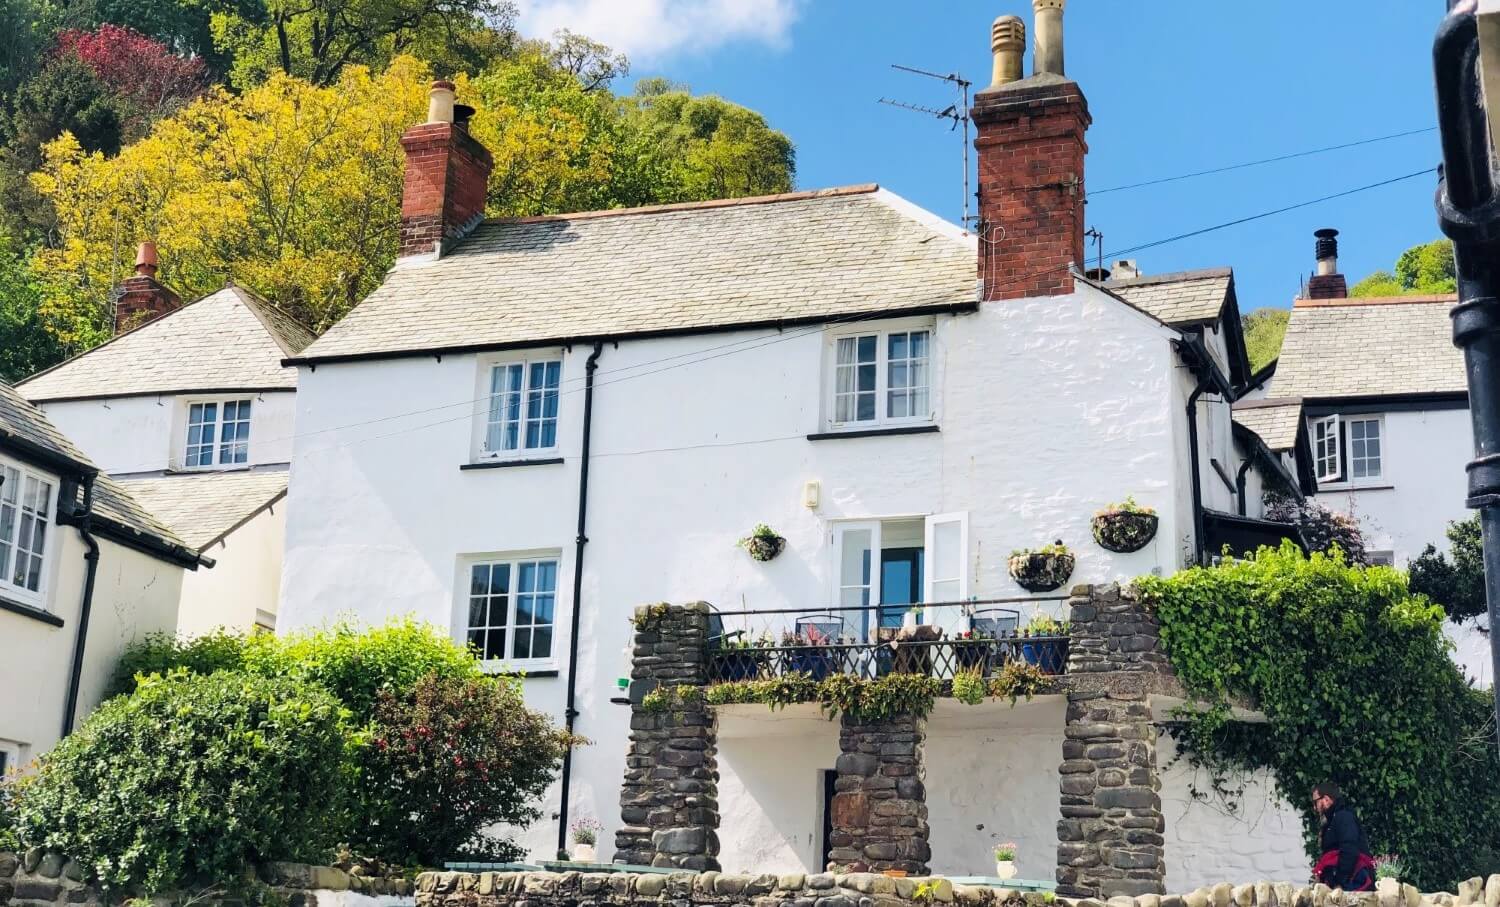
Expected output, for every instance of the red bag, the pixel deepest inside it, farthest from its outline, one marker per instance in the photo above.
(1361, 878)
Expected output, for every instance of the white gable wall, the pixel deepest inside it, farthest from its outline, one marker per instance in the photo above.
(1049, 410)
(148, 434)
(244, 581)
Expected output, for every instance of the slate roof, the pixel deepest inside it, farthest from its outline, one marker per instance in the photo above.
(112, 502)
(1369, 347)
(1179, 299)
(802, 256)
(229, 340)
(1275, 420)
(204, 507)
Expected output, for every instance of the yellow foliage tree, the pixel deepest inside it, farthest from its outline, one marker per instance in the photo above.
(290, 189)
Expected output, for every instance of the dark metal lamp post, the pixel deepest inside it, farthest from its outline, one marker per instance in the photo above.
(1468, 206)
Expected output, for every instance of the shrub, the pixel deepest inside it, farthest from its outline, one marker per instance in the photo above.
(447, 760)
(192, 779)
(159, 653)
(1353, 675)
(1456, 584)
(1321, 528)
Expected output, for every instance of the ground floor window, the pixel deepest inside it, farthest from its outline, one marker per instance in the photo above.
(512, 607)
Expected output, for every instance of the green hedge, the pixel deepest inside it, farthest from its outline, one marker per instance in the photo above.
(191, 779)
(1352, 672)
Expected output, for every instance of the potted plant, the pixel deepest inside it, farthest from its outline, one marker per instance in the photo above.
(809, 652)
(971, 651)
(1125, 527)
(743, 659)
(1042, 569)
(1046, 644)
(1005, 861)
(585, 834)
(762, 543)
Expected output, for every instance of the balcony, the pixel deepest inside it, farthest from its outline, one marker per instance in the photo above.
(937, 639)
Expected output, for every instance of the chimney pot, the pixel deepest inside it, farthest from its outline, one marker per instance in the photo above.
(1047, 56)
(1008, 44)
(1327, 282)
(440, 102)
(145, 259)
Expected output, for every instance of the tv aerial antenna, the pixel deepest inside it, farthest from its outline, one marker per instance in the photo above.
(958, 113)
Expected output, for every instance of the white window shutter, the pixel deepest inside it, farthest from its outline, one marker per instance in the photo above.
(947, 568)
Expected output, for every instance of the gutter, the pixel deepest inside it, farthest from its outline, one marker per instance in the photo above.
(570, 714)
(80, 640)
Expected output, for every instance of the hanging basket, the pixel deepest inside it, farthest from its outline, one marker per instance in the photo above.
(764, 547)
(1124, 531)
(1038, 571)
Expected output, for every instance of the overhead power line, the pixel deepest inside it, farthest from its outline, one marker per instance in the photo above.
(1269, 160)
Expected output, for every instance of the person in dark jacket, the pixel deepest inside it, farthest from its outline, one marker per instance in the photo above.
(1346, 861)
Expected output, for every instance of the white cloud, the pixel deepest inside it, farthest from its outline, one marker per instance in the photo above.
(649, 30)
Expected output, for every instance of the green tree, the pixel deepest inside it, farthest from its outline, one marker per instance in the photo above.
(66, 96)
(1264, 330)
(1427, 269)
(1455, 581)
(26, 346)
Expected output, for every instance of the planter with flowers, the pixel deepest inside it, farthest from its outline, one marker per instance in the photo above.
(1125, 527)
(808, 652)
(743, 659)
(585, 833)
(1046, 644)
(1041, 569)
(1005, 861)
(763, 543)
(971, 651)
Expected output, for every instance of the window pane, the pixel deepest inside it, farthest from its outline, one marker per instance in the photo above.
(523, 644)
(845, 351)
(865, 408)
(500, 579)
(854, 568)
(541, 642)
(479, 580)
(897, 346)
(867, 348)
(478, 611)
(494, 645)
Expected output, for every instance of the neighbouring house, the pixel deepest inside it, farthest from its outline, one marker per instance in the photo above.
(535, 425)
(191, 410)
(84, 570)
(1373, 391)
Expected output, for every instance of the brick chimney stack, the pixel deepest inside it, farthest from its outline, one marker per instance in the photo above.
(140, 298)
(1327, 282)
(447, 176)
(1031, 149)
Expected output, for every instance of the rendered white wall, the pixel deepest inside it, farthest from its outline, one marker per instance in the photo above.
(1050, 409)
(134, 595)
(146, 434)
(245, 578)
(1208, 843)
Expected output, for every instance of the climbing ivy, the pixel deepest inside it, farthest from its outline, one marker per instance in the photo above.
(1352, 673)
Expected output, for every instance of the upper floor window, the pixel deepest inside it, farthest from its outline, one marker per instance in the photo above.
(218, 433)
(882, 376)
(512, 608)
(522, 414)
(1348, 449)
(26, 508)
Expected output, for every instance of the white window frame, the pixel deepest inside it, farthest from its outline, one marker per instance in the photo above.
(1327, 448)
(843, 528)
(1337, 427)
(1380, 458)
(484, 396)
(513, 559)
(10, 758)
(21, 474)
(179, 457)
(882, 333)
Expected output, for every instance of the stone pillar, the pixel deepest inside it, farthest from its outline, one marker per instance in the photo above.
(879, 805)
(669, 801)
(1110, 834)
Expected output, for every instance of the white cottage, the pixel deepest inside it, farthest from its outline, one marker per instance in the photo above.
(536, 424)
(190, 409)
(84, 571)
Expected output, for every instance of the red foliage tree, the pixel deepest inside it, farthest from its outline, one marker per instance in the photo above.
(150, 79)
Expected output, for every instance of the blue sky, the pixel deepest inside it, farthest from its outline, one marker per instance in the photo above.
(1173, 85)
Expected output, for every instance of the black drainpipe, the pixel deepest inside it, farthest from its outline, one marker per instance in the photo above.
(571, 713)
(1192, 425)
(1239, 483)
(91, 561)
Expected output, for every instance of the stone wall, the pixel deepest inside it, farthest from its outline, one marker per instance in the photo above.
(669, 806)
(879, 809)
(679, 889)
(37, 878)
(1112, 631)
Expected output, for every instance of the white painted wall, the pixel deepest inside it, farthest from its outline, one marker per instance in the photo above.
(134, 595)
(147, 434)
(1208, 842)
(245, 578)
(1049, 410)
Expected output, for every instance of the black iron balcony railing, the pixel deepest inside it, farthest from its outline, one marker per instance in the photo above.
(940, 640)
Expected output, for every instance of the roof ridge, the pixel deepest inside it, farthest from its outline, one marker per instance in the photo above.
(1353, 301)
(259, 307)
(708, 204)
(1173, 277)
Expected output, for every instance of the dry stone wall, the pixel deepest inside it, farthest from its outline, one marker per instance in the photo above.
(40, 879)
(879, 809)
